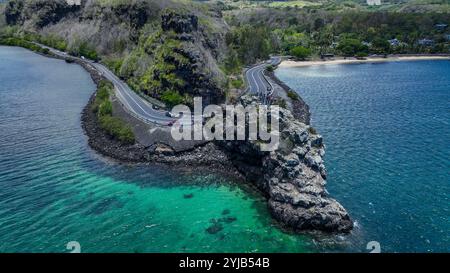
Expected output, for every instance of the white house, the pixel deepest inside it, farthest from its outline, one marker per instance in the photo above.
(373, 2)
(73, 2)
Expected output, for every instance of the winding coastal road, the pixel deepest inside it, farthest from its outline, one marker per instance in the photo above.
(135, 104)
(145, 111)
(258, 85)
(132, 101)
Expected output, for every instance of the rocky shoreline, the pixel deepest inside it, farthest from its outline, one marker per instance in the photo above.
(202, 156)
(300, 109)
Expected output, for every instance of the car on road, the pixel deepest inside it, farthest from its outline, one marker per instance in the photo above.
(172, 115)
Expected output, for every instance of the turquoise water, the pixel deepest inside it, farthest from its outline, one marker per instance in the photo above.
(386, 127)
(54, 189)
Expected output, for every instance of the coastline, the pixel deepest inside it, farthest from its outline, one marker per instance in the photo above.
(342, 60)
(291, 179)
(300, 109)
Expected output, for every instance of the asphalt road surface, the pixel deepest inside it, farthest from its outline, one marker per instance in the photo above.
(135, 104)
(257, 83)
(145, 111)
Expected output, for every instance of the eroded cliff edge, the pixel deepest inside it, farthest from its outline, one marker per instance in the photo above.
(293, 177)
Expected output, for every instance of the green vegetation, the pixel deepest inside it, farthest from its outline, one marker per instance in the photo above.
(114, 64)
(13, 37)
(281, 103)
(248, 44)
(352, 47)
(22, 43)
(335, 29)
(300, 52)
(380, 46)
(84, 49)
(169, 75)
(172, 98)
(174, 50)
(49, 40)
(361, 55)
(114, 126)
(232, 64)
(343, 5)
(312, 130)
(237, 83)
(291, 4)
(292, 95)
(163, 79)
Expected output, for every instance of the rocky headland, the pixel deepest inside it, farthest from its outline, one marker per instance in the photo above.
(166, 51)
(293, 178)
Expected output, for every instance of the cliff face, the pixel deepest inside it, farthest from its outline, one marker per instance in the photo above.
(178, 56)
(41, 12)
(293, 177)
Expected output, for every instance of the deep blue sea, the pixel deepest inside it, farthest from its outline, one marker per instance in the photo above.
(387, 131)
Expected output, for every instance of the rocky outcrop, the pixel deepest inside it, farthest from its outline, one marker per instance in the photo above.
(180, 57)
(180, 23)
(41, 12)
(293, 177)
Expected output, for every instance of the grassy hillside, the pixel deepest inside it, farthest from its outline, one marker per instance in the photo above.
(170, 50)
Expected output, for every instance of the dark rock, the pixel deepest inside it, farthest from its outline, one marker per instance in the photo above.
(317, 141)
(293, 177)
(188, 196)
(43, 12)
(300, 108)
(331, 217)
(136, 13)
(228, 220)
(214, 228)
(13, 12)
(180, 23)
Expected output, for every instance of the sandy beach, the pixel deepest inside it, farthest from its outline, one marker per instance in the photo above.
(341, 60)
